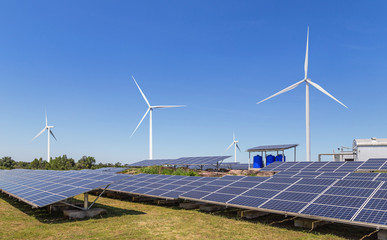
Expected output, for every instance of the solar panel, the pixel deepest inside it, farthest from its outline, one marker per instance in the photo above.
(159, 186)
(186, 161)
(40, 188)
(339, 200)
(371, 164)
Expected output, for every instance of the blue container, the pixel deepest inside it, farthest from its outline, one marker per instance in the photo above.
(258, 163)
(279, 157)
(269, 159)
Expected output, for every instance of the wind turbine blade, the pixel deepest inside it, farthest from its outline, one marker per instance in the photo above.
(53, 135)
(39, 134)
(282, 91)
(45, 112)
(325, 92)
(142, 119)
(143, 95)
(229, 146)
(306, 55)
(233, 135)
(168, 106)
(238, 147)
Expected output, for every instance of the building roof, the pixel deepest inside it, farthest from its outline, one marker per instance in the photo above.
(267, 148)
(370, 142)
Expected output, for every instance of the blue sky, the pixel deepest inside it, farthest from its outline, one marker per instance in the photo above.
(219, 58)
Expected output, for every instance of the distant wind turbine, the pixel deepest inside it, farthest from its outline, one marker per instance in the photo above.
(235, 143)
(307, 82)
(150, 110)
(49, 132)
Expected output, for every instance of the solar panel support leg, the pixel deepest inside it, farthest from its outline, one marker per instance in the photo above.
(99, 196)
(85, 201)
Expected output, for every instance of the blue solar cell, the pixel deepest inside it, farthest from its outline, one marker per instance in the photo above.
(281, 180)
(157, 192)
(248, 201)
(232, 190)
(294, 196)
(381, 193)
(209, 188)
(272, 186)
(217, 197)
(372, 216)
(169, 187)
(254, 179)
(319, 182)
(357, 184)
(307, 188)
(172, 194)
(285, 206)
(355, 192)
(260, 193)
(221, 183)
(194, 194)
(377, 204)
(355, 202)
(344, 213)
(243, 184)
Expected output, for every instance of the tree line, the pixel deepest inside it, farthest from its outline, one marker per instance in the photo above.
(58, 163)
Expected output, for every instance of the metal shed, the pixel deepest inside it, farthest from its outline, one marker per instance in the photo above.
(272, 148)
(369, 148)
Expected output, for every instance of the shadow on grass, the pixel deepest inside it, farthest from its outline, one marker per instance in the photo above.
(43, 215)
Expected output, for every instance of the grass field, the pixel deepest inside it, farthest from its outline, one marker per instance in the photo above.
(130, 220)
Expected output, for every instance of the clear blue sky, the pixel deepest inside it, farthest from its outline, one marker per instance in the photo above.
(219, 58)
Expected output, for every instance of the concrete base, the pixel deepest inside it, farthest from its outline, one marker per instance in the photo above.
(80, 214)
(190, 205)
(308, 223)
(251, 214)
(142, 199)
(211, 208)
(382, 235)
(167, 202)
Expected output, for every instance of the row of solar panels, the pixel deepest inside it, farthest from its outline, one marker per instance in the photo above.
(40, 188)
(198, 161)
(371, 164)
(358, 202)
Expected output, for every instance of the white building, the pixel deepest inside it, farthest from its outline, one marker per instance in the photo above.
(369, 148)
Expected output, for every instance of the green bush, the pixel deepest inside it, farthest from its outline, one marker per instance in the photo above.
(166, 171)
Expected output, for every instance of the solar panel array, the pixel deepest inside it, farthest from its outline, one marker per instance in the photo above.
(350, 201)
(370, 176)
(159, 186)
(41, 188)
(186, 161)
(371, 164)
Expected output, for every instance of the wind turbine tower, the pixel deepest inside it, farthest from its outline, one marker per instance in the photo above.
(49, 132)
(150, 110)
(235, 143)
(307, 108)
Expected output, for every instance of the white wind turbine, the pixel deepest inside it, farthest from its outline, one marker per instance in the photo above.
(49, 132)
(150, 110)
(307, 82)
(235, 143)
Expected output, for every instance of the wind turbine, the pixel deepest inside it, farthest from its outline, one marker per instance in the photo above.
(235, 143)
(150, 110)
(307, 82)
(49, 132)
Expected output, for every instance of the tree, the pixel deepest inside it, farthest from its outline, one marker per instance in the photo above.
(86, 162)
(39, 164)
(62, 163)
(7, 162)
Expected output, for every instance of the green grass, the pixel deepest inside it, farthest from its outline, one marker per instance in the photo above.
(129, 220)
